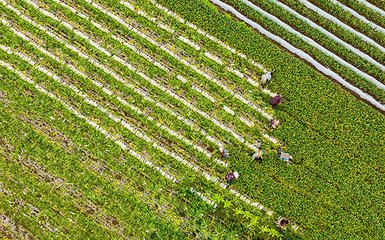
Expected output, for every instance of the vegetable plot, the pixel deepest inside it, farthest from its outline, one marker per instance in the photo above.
(117, 110)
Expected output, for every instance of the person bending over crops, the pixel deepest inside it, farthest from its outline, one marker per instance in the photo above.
(225, 153)
(265, 78)
(231, 176)
(282, 223)
(275, 100)
(273, 122)
(285, 156)
(258, 155)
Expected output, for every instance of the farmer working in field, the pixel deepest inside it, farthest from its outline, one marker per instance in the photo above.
(285, 156)
(224, 152)
(265, 78)
(258, 155)
(275, 100)
(231, 176)
(282, 222)
(273, 122)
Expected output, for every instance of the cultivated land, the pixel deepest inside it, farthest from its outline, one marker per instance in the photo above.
(112, 114)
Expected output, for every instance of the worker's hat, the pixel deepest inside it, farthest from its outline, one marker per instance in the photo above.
(236, 174)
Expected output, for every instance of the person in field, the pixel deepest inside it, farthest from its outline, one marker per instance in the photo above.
(275, 100)
(224, 153)
(285, 156)
(258, 155)
(282, 223)
(273, 122)
(265, 78)
(231, 176)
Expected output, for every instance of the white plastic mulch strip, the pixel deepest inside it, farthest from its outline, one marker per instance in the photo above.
(335, 38)
(301, 54)
(187, 41)
(247, 122)
(229, 110)
(338, 22)
(379, 10)
(359, 16)
(93, 124)
(214, 58)
(204, 93)
(315, 44)
(167, 11)
(203, 197)
(221, 162)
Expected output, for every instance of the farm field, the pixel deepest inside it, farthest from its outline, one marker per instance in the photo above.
(113, 114)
